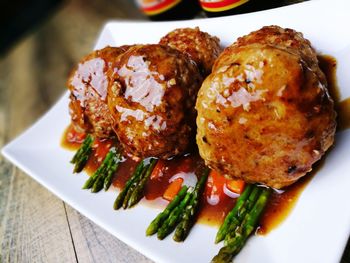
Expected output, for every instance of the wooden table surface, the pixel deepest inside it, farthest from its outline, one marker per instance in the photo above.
(36, 226)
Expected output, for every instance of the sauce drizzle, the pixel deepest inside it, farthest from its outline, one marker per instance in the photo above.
(328, 64)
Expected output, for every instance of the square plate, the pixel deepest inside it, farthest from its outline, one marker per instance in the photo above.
(318, 227)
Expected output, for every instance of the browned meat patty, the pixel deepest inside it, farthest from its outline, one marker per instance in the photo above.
(264, 114)
(200, 46)
(88, 84)
(282, 38)
(152, 99)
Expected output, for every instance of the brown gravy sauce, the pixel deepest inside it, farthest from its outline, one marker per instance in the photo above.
(279, 206)
(213, 213)
(328, 64)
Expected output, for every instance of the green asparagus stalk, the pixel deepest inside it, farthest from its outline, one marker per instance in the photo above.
(188, 217)
(105, 171)
(82, 155)
(134, 185)
(88, 139)
(156, 223)
(249, 224)
(98, 183)
(228, 252)
(134, 178)
(254, 195)
(138, 192)
(233, 214)
(252, 217)
(170, 223)
(90, 182)
(108, 179)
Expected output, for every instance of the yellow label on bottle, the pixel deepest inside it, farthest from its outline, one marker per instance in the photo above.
(155, 7)
(220, 5)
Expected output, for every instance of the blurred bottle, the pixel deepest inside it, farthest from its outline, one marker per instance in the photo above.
(159, 10)
(215, 8)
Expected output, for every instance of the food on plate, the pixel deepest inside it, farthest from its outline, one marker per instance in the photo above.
(161, 217)
(81, 157)
(283, 38)
(264, 118)
(151, 99)
(133, 190)
(264, 113)
(241, 222)
(88, 84)
(180, 214)
(103, 176)
(190, 212)
(200, 46)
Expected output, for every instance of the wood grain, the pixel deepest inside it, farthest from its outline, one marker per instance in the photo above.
(35, 226)
(33, 222)
(94, 244)
(32, 219)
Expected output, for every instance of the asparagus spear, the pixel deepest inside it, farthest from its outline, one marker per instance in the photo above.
(248, 225)
(254, 195)
(233, 213)
(134, 185)
(106, 164)
(138, 193)
(134, 177)
(228, 252)
(88, 139)
(156, 223)
(170, 223)
(82, 155)
(98, 184)
(188, 217)
(108, 179)
(90, 182)
(251, 218)
(107, 168)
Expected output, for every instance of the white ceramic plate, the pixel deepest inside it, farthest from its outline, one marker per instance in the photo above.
(318, 227)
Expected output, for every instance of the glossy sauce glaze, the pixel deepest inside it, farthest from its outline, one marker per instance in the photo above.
(280, 205)
(328, 64)
(93, 73)
(88, 84)
(217, 201)
(151, 99)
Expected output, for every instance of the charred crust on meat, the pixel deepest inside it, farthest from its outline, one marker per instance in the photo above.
(292, 169)
(310, 134)
(205, 140)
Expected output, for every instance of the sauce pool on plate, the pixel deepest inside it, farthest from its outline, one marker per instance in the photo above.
(216, 202)
(328, 64)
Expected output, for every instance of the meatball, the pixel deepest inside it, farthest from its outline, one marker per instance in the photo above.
(265, 114)
(88, 85)
(277, 37)
(200, 46)
(151, 99)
